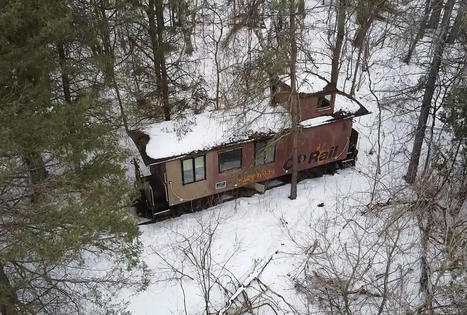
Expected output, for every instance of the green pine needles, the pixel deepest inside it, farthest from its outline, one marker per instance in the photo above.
(67, 242)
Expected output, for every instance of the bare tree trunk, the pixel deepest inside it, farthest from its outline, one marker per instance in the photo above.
(336, 54)
(456, 27)
(65, 78)
(161, 56)
(361, 33)
(109, 55)
(120, 103)
(435, 14)
(66, 90)
(460, 200)
(154, 43)
(389, 261)
(37, 172)
(155, 12)
(380, 123)
(186, 26)
(428, 95)
(357, 65)
(420, 32)
(425, 274)
(218, 70)
(430, 140)
(8, 298)
(293, 102)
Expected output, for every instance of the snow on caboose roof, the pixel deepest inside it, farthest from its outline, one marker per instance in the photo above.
(345, 104)
(316, 121)
(307, 82)
(208, 130)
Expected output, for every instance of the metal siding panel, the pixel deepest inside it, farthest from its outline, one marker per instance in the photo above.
(320, 139)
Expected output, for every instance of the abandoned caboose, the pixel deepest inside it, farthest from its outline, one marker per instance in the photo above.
(211, 153)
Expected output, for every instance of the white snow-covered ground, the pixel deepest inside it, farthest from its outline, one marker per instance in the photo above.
(274, 230)
(252, 230)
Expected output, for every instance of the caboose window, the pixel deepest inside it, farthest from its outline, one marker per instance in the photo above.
(324, 102)
(193, 169)
(230, 160)
(264, 152)
(199, 168)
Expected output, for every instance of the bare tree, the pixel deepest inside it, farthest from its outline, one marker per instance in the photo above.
(102, 43)
(293, 100)
(421, 31)
(155, 14)
(459, 24)
(336, 53)
(193, 257)
(440, 44)
(351, 263)
(436, 8)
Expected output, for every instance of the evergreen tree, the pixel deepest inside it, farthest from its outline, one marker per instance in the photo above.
(63, 192)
